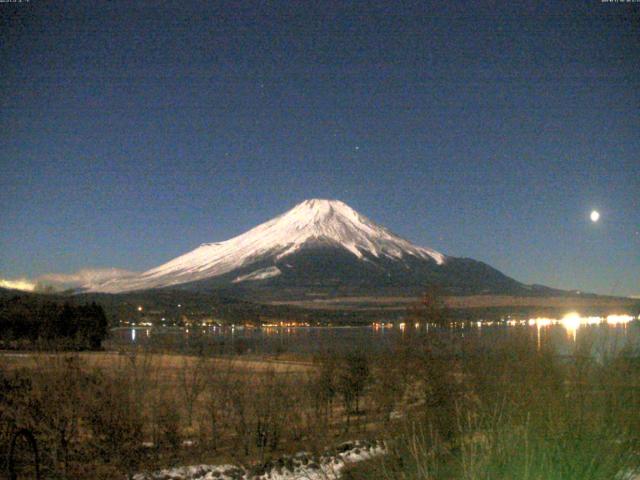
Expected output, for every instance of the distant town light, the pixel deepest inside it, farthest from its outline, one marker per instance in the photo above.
(140, 308)
(619, 319)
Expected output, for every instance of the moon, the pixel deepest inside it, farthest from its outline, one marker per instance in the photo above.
(595, 216)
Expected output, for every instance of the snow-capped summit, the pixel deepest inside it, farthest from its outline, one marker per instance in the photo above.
(336, 222)
(312, 223)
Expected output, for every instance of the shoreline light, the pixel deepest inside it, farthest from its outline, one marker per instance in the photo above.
(573, 321)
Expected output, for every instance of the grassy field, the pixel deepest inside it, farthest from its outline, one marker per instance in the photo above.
(165, 365)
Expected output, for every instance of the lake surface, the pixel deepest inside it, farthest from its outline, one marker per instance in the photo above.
(602, 335)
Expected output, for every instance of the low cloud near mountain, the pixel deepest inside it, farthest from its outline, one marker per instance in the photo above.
(86, 278)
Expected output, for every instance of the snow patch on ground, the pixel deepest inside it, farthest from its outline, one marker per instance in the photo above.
(302, 466)
(629, 475)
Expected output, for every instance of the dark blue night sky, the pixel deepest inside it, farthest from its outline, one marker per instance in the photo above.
(131, 132)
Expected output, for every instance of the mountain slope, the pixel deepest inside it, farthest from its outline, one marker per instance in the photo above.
(322, 223)
(319, 247)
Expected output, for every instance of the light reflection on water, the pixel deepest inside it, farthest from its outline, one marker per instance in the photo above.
(608, 333)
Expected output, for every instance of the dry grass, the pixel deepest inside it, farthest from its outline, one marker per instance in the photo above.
(165, 364)
(93, 413)
(516, 412)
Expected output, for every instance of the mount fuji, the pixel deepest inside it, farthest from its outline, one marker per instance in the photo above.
(321, 246)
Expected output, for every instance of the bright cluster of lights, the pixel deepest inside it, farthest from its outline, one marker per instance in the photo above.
(619, 319)
(573, 321)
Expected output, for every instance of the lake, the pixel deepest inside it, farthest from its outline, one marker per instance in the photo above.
(601, 334)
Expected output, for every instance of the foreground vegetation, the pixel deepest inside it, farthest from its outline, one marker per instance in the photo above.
(518, 413)
(446, 408)
(98, 415)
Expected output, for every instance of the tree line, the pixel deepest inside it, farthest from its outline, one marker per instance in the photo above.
(25, 322)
